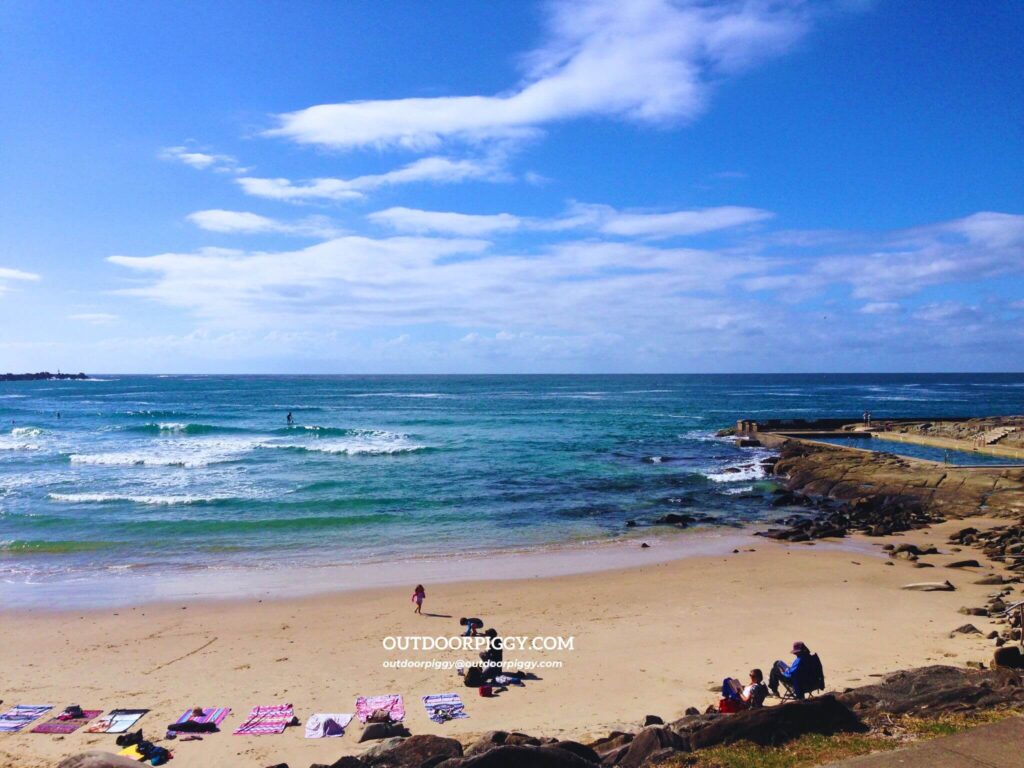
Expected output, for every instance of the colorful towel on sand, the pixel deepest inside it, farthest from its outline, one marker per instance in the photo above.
(213, 715)
(263, 721)
(116, 721)
(442, 707)
(16, 718)
(57, 725)
(327, 725)
(391, 703)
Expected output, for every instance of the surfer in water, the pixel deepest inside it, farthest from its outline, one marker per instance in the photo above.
(291, 420)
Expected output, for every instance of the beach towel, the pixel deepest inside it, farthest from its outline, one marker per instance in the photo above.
(16, 718)
(391, 703)
(264, 721)
(116, 721)
(442, 707)
(213, 715)
(326, 725)
(67, 726)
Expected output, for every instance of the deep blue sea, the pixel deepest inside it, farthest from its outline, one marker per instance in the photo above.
(166, 473)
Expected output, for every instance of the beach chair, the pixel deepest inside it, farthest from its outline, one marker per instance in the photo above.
(811, 678)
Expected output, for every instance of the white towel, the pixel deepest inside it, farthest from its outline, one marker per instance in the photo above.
(326, 725)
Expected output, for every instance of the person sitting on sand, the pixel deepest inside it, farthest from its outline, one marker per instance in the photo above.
(756, 691)
(736, 697)
(494, 656)
(791, 673)
(472, 626)
(418, 596)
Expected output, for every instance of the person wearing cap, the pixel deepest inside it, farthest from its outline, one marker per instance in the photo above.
(791, 673)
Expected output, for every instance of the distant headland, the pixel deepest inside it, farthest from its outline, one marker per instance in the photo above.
(41, 376)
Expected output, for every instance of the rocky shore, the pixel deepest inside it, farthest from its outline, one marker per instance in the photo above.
(43, 376)
(844, 491)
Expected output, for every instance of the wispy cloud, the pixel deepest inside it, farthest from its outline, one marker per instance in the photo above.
(246, 223)
(358, 282)
(437, 170)
(9, 275)
(579, 216)
(94, 318)
(465, 224)
(979, 246)
(650, 61)
(201, 160)
(881, 308)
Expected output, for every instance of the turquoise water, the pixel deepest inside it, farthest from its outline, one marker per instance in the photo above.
(958, 458)
(187, 472)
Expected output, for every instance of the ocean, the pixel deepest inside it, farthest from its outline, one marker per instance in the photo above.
(172, 474)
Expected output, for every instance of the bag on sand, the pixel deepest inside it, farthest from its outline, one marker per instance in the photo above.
(486, 691)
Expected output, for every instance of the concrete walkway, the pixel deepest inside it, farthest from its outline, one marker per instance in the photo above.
(999, 745)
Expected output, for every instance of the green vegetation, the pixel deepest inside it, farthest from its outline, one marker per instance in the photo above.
(815, 750)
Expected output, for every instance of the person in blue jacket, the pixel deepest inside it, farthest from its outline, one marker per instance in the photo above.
(791, 673)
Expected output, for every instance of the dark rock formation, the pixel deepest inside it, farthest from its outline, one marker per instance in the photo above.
(652, 739)
(416, 751)
(1008, 658)
(42, 376)
(769, 726)
(930, 691)
(546, 756)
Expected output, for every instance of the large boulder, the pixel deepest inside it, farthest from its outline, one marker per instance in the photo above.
(492, 739)
(769, 726)
(648, 741)
(546, 756)
(97, 760)
(415, 751)
(1009, 657)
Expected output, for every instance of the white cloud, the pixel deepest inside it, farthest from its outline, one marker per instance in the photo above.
(94, 318)
(464, 224)
(983, 245)
(359, 282)
(439, 170)
(8, 275)
(201, 161)
(650, 61)
(948, 312)
(244, 222)
(681, 223)
(599, 218)
(881, 308)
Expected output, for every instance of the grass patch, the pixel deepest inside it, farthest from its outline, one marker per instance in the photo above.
(804, 752)
(815, 750)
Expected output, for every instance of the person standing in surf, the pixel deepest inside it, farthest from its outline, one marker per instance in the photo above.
(291, 420)
(418, 596)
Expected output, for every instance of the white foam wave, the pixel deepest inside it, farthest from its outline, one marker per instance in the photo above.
(736, 491)
(102, 498)
(360, 442)
(26, 432)
(429, 395)
(174, 453)
(737, 474)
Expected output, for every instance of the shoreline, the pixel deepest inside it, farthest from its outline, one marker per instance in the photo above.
(653, 639)
(235, 584)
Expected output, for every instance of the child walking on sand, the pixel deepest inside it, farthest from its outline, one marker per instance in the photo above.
(418, 596)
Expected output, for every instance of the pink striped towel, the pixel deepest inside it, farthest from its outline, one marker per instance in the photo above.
(263, 721)
(391, 703)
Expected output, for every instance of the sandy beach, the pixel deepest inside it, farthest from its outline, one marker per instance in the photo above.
(647, 640)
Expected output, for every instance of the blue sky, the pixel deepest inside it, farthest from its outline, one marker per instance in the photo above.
(576, 185)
